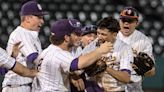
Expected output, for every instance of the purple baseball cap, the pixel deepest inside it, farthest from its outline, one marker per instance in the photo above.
(89, 29)
(64, 27)
(32, 8)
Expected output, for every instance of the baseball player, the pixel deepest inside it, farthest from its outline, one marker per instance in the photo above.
(27, 33)
(57, 61)
(137, 40)
(87, 36)
(119, 68)
(9, 63)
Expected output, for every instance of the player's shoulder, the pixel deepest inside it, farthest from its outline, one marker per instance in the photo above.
(16, 31)
(90, 47)
(119, 44)
(140, 35)
(56, 51)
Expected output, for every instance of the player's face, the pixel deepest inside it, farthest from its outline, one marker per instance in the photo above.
(106, 35)
(127, 28)
(86, 39)
(36, 22)
(74, 39)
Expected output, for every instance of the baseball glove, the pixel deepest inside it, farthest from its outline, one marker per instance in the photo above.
(143, 63)
(98, 67)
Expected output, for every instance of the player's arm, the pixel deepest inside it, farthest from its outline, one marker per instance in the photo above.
(23, 71)
(148, 49)
(9, 63)
(29, 50)
(123, 75)
(124, 72)
(88, 59)
(77, 82)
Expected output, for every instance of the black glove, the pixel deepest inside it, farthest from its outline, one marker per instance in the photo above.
(143, 63)
(96, 68)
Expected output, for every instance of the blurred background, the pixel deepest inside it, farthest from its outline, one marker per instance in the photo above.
(89, 12)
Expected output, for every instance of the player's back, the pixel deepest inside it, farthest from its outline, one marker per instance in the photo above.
(52, 75)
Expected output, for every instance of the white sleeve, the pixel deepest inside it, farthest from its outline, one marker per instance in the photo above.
(5, 60)
(144, 46)
(66, 60)
(26, 41)
(90, 47)
(126, 58)
(28, 47)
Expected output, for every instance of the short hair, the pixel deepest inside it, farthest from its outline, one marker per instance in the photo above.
(56, 41)
(109, 23)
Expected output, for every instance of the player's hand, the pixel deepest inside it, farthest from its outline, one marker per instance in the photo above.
(105, 47)
(79, 84)
(16, 49)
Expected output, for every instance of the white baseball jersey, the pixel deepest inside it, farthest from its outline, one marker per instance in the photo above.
(54, 70)
(122, 56)
(139, 43)
(76, 52)
(31, 44)
(5, 60)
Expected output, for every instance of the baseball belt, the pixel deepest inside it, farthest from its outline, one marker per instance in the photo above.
(17, 85)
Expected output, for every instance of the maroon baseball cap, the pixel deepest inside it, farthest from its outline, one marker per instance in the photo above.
(32, 8)
(129, 13)
(64, 27)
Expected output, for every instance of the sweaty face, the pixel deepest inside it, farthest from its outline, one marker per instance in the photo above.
(36, 22)
(106, 35)
(86, 39)
(127, 27)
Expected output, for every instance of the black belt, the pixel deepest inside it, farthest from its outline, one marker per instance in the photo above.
(17, 85)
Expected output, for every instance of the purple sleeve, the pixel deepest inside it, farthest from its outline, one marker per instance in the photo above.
(32, 57)
(129, 72)
(3, 71)
(74, 64)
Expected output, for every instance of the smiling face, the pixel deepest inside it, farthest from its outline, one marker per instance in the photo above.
(106, 35)
(127, 26)
(36, 22)
(32, 22)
